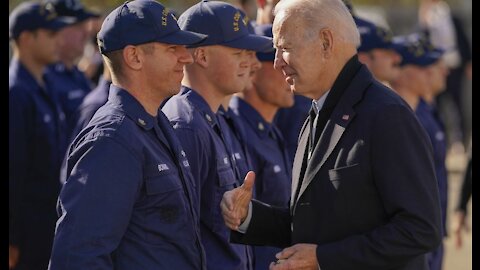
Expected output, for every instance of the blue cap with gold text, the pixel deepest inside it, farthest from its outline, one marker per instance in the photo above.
(142, 21)
(417, 50)
(72, 8)
(373, 36)
(30, 16)
(265, 30)
(224, 24)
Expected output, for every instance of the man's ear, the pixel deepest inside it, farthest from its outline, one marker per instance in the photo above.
(363, 57)
(133, 57)
(326, 37)
(261, 3)
(25, 37)
(200, 56)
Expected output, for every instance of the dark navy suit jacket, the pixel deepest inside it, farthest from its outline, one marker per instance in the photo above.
(369, 198)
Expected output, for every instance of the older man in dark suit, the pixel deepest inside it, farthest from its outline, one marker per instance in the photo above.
(364, 192)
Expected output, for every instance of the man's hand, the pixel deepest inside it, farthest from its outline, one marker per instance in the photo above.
(299, 256)
(235, 202)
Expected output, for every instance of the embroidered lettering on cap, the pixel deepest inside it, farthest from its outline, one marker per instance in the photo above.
(245, 20)
(236, 18)
(163, 167)
(164, 17)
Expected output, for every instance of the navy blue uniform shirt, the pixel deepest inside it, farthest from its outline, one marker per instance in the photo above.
(235, 137)
(269, 157)
(90, 104)
(234, 133)
(290, 121)
(36, 148)
(129, 200)
(72, 86)
(431, 122)
(198, 129)
(271, 165)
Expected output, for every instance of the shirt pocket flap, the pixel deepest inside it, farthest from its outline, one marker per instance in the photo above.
(225, 177)
(162, 183)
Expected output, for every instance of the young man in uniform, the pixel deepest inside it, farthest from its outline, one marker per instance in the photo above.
(221, 66)
(129, 200)
(256, 108)
(36, 137)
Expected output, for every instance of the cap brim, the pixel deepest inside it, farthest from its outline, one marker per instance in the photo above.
(182, 37)
(59, 23)
(82, 15)
(251, 42)
(266, 57)
(396, 47)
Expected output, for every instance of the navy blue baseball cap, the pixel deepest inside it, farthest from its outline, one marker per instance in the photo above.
(142, 21)
(416, 50)
(373, 36)
(30, 16)
(224, 25)
(265, 30)
(72, 8)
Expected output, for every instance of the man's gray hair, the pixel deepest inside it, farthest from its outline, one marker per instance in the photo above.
(319, 14)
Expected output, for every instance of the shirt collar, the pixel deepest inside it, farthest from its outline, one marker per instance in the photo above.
(123, 100)
(318, 103)
(20, 71)
(200, 104)
(253, 118)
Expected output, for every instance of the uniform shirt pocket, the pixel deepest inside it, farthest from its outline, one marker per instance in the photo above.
(166, 208)
(226, 182)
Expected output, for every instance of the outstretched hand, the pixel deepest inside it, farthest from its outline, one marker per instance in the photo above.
(235, 202)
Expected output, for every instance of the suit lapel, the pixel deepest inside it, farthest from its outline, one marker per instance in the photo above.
(341, 117)
(299, 158)
(328, 140)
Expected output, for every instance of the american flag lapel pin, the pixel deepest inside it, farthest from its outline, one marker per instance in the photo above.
(345, 117)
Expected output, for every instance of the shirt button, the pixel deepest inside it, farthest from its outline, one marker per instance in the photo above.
(141, 122)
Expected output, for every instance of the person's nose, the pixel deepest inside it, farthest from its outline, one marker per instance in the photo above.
(184, 55)
(279, 62)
